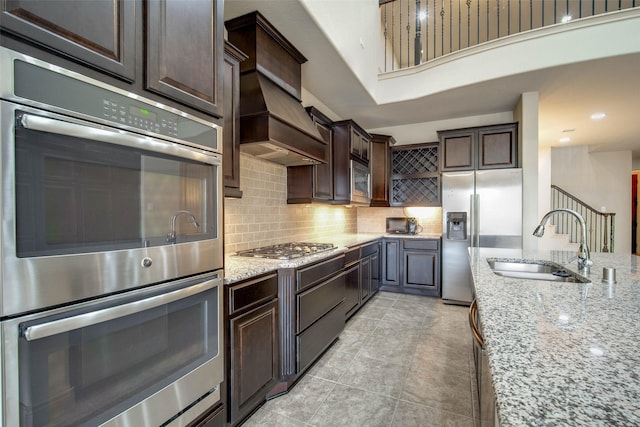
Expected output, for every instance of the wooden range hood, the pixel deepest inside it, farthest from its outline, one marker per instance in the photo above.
(273, 124)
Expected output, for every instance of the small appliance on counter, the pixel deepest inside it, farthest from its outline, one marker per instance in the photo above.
(403, 225)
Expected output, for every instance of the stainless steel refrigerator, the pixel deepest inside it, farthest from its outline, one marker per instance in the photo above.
(480, 209)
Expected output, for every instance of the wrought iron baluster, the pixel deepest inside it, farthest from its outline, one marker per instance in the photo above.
(418, 40)
(408, 32)
(442, 23)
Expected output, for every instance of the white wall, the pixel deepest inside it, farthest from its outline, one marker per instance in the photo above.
(601, 179)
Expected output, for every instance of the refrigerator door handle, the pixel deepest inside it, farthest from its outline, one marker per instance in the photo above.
(472, 221)
(476, 217)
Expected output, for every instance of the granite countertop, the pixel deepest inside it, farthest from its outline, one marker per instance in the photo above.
(237, 268)
(562, 353)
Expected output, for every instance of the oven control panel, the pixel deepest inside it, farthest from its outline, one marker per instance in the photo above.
(139, 117)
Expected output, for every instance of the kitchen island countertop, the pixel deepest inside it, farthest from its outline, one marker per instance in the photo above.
(562, 353)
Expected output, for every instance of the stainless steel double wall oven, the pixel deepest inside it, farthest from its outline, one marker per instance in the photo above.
(111, 263)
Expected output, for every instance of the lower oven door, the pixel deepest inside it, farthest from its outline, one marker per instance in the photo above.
(135, 359)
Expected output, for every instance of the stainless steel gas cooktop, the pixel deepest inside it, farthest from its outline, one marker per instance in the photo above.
(287, 250)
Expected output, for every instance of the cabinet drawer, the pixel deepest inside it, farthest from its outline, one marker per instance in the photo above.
(426, 244)
(309, 276)
(315, 302)
(313, 341)
(252, 293)
(351, 256)
(369, 249)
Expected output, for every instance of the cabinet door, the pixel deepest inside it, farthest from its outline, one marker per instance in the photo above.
(98, 33)
(231, 134)
(422, 271)
(352, 290)
(497, 147)
(323, 173)
(375, 272)
(390, 262)
(380, 166)
(365, 279)
(254, 358)
(457, 150)
(184, 52)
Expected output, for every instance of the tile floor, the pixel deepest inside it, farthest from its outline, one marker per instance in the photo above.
(402, 360)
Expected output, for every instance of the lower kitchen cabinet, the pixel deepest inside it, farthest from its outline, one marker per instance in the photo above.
(390, 264)
(253, 344)
(311, 304)
(412, 266)
(362, 275)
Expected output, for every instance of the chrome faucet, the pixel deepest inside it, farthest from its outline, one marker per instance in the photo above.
(171, 237)
(584, 261)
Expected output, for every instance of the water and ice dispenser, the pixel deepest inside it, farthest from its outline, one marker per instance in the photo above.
(456, 226)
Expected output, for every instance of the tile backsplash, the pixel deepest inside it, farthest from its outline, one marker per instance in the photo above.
(262, 217)
(373, 220)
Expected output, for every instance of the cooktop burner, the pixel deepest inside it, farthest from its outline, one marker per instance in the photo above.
(287, 250)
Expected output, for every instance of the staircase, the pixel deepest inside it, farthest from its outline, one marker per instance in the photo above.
(552, 240)
(563, 230)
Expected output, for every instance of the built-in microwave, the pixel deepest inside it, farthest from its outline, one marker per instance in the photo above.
(360, 193)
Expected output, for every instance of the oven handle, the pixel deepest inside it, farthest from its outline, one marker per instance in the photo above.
(127, 139)
(60, 326)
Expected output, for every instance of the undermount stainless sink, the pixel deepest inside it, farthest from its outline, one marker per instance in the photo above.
(534, 270)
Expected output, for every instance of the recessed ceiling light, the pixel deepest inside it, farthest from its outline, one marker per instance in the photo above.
(598, 116)
(565, 139)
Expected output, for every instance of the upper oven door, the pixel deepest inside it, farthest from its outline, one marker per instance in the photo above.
(89, 210)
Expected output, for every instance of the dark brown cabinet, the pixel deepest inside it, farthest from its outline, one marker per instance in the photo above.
(415, 175)
(411, 265)
(100, 34)
(183, 65)
(380, 166)
(390, 263)
(142, 44)
(352, 281)
(231, 135)
(251, 310)
(362, 275)
(486, 147)
(350, 141)
(356, 139)
(421, 268)
(313, 183)
(311, 307)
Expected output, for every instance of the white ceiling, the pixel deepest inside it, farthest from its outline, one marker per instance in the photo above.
(568, 95)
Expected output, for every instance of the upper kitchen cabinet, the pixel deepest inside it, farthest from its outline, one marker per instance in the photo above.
(380, 165)
(139, 46)
(98, 33)
(347, 136)
(184, 52)
(313, 183)
(231, 135)
(486, 147)
(358, 140)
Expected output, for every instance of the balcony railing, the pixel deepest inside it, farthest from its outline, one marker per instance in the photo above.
(417, 31)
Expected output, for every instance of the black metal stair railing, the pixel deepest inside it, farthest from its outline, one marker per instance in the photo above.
(600, 225)
(416, 31)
